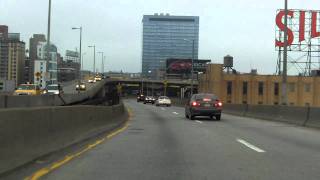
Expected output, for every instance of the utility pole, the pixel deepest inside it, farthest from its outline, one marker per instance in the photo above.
(48, 39)
(192, 68)
(80, 62)
(104, 57)
(101, 61)
(284, 97)
(94, 58)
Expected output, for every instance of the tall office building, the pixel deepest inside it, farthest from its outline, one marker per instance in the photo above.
(12, 56)
(33, 44)
(165, 37)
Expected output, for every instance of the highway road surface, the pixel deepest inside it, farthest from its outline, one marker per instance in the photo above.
(70, 88)
(160, 143)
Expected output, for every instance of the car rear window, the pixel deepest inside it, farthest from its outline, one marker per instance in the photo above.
(205, 97)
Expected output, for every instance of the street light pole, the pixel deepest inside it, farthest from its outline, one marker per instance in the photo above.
(192, 70)
(94, 58)
(79, 74)
(101, 60)
(285, 56)
(104, 57)
(48, 38)
(82, 67)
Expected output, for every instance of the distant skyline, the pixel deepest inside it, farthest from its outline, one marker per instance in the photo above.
(244, 29)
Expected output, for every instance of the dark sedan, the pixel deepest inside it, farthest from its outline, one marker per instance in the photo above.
(203, 105)
(149, 99)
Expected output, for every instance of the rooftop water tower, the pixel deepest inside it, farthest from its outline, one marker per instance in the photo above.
(228, 63)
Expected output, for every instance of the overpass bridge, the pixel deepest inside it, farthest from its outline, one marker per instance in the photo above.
(170, 87)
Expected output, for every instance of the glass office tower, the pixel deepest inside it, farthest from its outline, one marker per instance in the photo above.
(166, 36)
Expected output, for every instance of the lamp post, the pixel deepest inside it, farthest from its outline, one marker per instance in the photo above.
(104, 57)
(101, 60)
(94, 58)
(79, 74)
(82, 58)
(192, 70)
(284, 98)
(48, 39)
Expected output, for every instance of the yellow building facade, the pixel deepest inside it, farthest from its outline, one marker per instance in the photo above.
(259, 89)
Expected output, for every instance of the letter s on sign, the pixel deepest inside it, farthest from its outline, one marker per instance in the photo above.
(281, 26)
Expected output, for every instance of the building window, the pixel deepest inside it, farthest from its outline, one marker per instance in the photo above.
(292, 87)
(229, 87)
(260, 102)
(276, 103)
(276, 89)
(244, 102)
(307, 104)
(291, 104)
(260, 88)
(307, 87)
(245, 88)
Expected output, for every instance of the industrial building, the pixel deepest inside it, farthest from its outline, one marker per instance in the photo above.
(251, 88)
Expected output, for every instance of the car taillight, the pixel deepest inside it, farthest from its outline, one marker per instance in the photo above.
(218, 104)
(195, 104)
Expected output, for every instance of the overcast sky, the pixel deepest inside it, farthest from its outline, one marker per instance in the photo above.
(244, 29)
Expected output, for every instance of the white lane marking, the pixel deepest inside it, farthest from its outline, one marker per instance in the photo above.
(163, 109)
(175, 113)
(199, 121)
(250, 146)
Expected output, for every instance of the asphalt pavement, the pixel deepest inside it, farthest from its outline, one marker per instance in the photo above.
(160, 143)
(70, 88)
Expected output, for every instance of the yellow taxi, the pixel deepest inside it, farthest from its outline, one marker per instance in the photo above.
(27, 90)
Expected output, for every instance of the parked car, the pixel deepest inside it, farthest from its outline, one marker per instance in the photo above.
(140, 98)
(53, 89)
(82, 87)
(203, 105)
(149, 99)
(163, 101)
(27, 89)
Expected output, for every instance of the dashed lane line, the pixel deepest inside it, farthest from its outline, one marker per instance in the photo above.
(253, 147)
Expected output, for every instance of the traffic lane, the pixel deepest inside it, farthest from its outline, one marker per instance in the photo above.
(161, 145)
(291, 151)
(71, 88)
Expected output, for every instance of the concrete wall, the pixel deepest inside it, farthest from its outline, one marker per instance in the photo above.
(26, 134)
(302, 116)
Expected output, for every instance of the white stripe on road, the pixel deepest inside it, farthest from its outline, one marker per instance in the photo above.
(175, 113)
(199, 121)
(250, 146)
(163, 109)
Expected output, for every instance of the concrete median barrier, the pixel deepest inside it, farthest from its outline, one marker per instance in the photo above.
(302, 116)
(27, 134)
(314, 118)
(293, 115)
(235, 109)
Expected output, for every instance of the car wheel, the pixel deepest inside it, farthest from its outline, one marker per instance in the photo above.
(186, 115)
(192, 117)
(211, 117)
(218, 117)
(157, 104)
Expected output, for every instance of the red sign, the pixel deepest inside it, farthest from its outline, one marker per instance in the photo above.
(301, 23)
